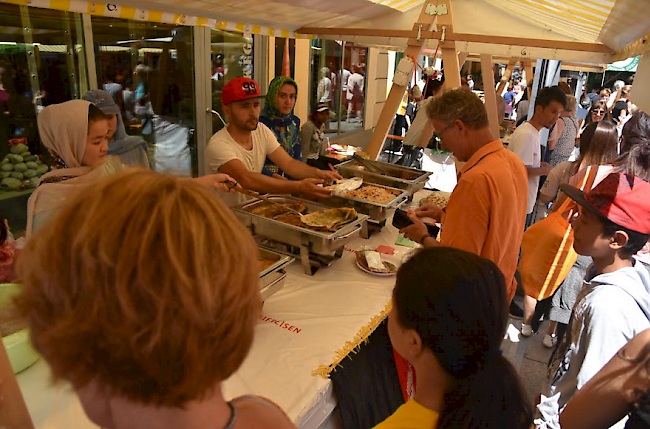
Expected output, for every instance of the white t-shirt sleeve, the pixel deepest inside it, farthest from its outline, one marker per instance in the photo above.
(270, 141)
(218, 153)
(523, 145)
(554, 180)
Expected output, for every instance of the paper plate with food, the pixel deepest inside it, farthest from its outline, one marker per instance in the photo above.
(437, 198)
(344, 186)
(372, 262)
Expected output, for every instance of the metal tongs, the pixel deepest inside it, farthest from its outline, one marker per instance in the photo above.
(368, 165)
(268, 200)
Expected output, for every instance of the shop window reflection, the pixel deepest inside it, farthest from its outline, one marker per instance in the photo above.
(148, 70)
(338, 74)
(42, 62)
(231, 56)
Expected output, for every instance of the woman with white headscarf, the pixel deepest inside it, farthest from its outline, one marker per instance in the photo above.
(76, 136)
(132, 150)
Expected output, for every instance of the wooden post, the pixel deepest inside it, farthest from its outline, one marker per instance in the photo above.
(528, 68)
(13, 412)
(490, 94)
(413, 50)
(506, 76)
(462, 57)
(448, 50)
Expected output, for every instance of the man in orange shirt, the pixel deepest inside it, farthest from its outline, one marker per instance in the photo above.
(487, 210)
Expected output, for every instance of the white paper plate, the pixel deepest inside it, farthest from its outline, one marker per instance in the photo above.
(377, 273)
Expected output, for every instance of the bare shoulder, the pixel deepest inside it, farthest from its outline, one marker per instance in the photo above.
(258, 413)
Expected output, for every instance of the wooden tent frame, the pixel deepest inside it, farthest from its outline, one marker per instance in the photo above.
(439, 13)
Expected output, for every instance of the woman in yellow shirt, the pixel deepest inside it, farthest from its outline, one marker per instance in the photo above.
(450, 313)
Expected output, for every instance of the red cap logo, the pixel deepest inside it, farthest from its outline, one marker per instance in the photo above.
(621, 198)
(240, 88)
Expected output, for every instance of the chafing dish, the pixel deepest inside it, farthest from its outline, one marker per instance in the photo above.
(326, 245)
(377, 212)
(400, 177)
(272, 278)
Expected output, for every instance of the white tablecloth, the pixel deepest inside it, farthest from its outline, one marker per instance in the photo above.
(304, 326)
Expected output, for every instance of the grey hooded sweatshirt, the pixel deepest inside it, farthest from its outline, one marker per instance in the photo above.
(610, 310)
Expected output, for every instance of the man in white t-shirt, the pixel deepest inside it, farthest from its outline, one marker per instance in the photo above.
(240, 149)
(525, 140)
(421, 130)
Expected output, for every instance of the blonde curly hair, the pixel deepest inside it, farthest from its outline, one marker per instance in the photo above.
(146, 283)
(461, 104)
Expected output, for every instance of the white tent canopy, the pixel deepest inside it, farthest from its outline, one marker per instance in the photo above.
(612, 25)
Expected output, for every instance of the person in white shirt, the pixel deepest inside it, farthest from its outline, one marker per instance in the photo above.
(324, 90)
(421, 130)
(355, 94)
(526, 144)
(241, 148)
(470, 82)
(344, 76)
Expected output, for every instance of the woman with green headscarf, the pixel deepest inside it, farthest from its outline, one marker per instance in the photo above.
(278, 116)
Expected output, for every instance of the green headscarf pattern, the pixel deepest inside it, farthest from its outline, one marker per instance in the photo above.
(285, 127)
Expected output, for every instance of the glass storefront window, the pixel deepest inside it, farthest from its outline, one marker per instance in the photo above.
(231, 56)
(148, 68)
(42, 62)
(280, 51)
(338, 74)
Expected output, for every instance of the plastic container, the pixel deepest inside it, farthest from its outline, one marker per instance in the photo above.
(18, 345)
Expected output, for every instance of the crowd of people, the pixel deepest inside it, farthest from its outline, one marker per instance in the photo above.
(139, 321)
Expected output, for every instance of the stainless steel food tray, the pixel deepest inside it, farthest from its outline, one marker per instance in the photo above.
(321, 243)
(400, 177)
(377, 212)
(273, 277)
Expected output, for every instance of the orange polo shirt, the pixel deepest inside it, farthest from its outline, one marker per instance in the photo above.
(486, 212)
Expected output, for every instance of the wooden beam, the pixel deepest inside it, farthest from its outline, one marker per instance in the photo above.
(596, 68)
(13, 412)
(413, 50)
(528, 68)
(448, 49)
(490, 94)
(507, 73)
(461, 37)
(462, 57)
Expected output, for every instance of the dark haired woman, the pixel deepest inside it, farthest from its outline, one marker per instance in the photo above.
(450, 313)
(598, 112)
(598, 153)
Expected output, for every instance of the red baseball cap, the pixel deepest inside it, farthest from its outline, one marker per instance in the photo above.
(240, 88)
(622, 198)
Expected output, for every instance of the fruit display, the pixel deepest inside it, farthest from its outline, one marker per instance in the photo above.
(20, 168)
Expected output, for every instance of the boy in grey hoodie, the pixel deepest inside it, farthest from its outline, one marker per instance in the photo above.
(614, 304)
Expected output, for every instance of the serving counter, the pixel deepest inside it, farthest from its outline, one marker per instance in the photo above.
(305, 329)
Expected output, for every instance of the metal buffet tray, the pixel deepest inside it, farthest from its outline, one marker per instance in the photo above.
(329, 244)
(272, 278)
(377, 212)
(399, 176)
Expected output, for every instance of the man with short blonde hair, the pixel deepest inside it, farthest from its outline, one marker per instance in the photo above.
(486, 212)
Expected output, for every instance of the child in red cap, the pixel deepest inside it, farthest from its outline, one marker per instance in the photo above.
(614, 304)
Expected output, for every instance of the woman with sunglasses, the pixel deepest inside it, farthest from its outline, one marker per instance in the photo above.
(621, 388)
(598, 112)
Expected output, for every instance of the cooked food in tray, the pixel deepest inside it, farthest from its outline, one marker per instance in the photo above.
(322, 220)
(273, 210)
(265, 263)
(398, 174)
(437, 198)
(373, 194)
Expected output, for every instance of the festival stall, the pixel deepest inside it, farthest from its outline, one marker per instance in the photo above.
(330, 303)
